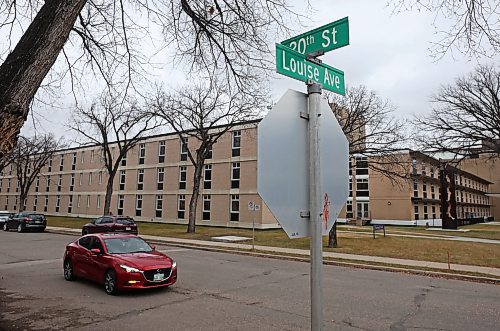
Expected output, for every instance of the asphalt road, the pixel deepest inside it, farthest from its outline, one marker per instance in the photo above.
(218, 291)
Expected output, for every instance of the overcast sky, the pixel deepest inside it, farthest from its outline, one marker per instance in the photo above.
(388, 53)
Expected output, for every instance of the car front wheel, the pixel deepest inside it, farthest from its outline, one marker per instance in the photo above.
(68, 270)
(110, 282)
(20, 227)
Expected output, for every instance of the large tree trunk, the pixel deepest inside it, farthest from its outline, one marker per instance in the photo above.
(25, 68)
(109, 194)
(193, 203)
(332, 236)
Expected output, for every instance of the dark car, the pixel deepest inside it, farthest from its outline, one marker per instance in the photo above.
(110, 224)
(26, 221)
(119, 261)
(4, 216)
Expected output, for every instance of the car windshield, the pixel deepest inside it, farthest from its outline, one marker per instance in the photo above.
(126, 245)
(35, 216)
(126, 221)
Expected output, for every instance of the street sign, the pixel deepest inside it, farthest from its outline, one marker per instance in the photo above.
(283, 165)
(293, 64)
(325, 38)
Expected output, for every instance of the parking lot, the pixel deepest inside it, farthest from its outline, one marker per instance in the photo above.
(218, 291)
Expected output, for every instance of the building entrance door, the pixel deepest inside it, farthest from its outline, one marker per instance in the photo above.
(362, 209)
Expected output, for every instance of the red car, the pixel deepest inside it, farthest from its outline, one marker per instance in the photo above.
(110, 224)
(119, 262)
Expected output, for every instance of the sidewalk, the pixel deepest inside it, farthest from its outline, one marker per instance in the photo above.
(303, 253)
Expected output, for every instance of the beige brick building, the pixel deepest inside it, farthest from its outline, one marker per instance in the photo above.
(154, 184)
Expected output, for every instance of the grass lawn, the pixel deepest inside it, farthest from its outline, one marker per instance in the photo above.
(486, 255)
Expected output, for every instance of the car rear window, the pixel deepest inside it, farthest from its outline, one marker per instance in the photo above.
(36, 216)
(126, 221)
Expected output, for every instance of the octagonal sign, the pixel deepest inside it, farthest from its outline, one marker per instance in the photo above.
(283, 164)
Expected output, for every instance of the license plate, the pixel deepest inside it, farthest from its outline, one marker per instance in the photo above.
(38, 221)
(158, 277)
(128, 228)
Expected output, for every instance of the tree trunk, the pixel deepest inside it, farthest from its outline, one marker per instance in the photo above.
(23, 196)
(332, 236)
(193, 203)
(27, 65)
(109, 194)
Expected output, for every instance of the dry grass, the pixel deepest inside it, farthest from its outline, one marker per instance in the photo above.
(396, 247)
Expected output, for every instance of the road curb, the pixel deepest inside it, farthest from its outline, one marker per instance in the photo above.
(335, 262)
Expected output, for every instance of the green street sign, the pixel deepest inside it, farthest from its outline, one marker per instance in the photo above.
(325, 38)
(293, 64)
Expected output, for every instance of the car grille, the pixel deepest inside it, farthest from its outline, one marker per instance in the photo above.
(149, 274)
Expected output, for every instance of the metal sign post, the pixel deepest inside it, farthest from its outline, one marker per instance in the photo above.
(314, 102)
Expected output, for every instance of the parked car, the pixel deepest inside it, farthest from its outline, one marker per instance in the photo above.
(110, 224)
(26, 220)
(119, 261)
(4, 215)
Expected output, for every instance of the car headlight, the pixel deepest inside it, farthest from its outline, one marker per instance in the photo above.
(129, 269)
(174, 265)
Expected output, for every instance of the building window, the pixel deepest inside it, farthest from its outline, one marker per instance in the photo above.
(424, 190)
(59, 183)
(184, 148)
(161, 151)
(121, 203)
(207, 177)
(362, 187)
(61, 163)
(142, 153)
(25, 203)
(78, 200)
(350, 186)
(182, 177)
(72, 182)
(417, 214)
(415, 187)
(138, 205)
(235, 208)
(349, 213)
(73, 164)
(140, 179)
(350, 167)
(92, 154)
(49, 165)
(236, 143)
(433, 208)
(17, 185)
(35, 202)
(362, 209)
(46, 204)
(159, 205)
(426, 212)
(361, 165)
(206, 207)
(235, 175)
(6, 203)
(181, 206)
(414, 166)
(82, 159)
(88, 201)
(432, 171)
(90, 178)
(8, 184)
(15, 203)
(100, 177)
(47, 184)
(37, 183)
(58, 203)
(122, 180)
(80, 179)
(433, 194)
(70, 203)
(160, 178)
(124, 160)
(424, 170)
(209, 153)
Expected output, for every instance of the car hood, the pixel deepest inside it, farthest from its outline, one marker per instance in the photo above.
(143, 260)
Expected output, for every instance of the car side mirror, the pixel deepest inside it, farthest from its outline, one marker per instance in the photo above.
(96, 251)
(153, 247)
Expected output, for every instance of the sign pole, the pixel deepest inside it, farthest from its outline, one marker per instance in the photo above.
(253, 228)
(314, 102)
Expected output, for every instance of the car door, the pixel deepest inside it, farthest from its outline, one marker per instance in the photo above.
(97, 262)
(13, 221)
(81, 256)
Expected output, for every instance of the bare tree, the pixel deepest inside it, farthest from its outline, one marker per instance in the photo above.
(203, 114)
(112, 124)
(466, 116)
(105, 38)
(474, 28)
(366, 120)
(28, 158)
